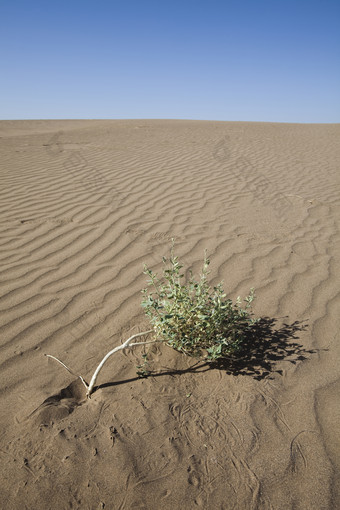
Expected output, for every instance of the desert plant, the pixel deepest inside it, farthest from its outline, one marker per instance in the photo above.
(192, 317)
(143, 368)
(189, 316)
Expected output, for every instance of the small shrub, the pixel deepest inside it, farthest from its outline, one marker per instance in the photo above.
(143, 369)
(188, 316)
(192, 317)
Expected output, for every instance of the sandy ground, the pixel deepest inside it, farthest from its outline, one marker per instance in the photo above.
(83, 204)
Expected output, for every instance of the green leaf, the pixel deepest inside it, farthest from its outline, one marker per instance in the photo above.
(191, 316)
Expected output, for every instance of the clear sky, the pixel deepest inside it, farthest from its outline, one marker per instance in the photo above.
(275, 60)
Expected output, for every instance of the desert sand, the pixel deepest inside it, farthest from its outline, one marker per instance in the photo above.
(84, 204)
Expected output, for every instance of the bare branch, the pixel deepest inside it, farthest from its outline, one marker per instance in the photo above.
(119, 348)
(68, 369)
(125, 345)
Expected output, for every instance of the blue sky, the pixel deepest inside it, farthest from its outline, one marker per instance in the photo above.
(259, 60)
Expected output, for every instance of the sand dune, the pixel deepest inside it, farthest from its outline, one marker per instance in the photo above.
(83, 205)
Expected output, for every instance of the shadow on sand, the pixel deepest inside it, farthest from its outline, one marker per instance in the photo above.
(263, 349)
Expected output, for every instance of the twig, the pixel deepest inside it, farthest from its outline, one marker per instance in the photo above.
(120, 347)
(68, 369)
(125, 345)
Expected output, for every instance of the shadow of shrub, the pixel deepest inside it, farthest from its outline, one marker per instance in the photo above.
(264, 347)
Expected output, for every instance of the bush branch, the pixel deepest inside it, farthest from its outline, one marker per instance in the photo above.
(125, 345)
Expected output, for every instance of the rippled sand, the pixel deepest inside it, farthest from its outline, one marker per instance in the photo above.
(83, 205)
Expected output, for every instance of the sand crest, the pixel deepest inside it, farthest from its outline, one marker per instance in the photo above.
(83, 204)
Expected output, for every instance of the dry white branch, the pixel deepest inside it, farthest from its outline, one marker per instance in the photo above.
(125, 345)
(68, 369)
(119, 348)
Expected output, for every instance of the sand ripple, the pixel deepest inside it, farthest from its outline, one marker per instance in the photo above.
(83, 204)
